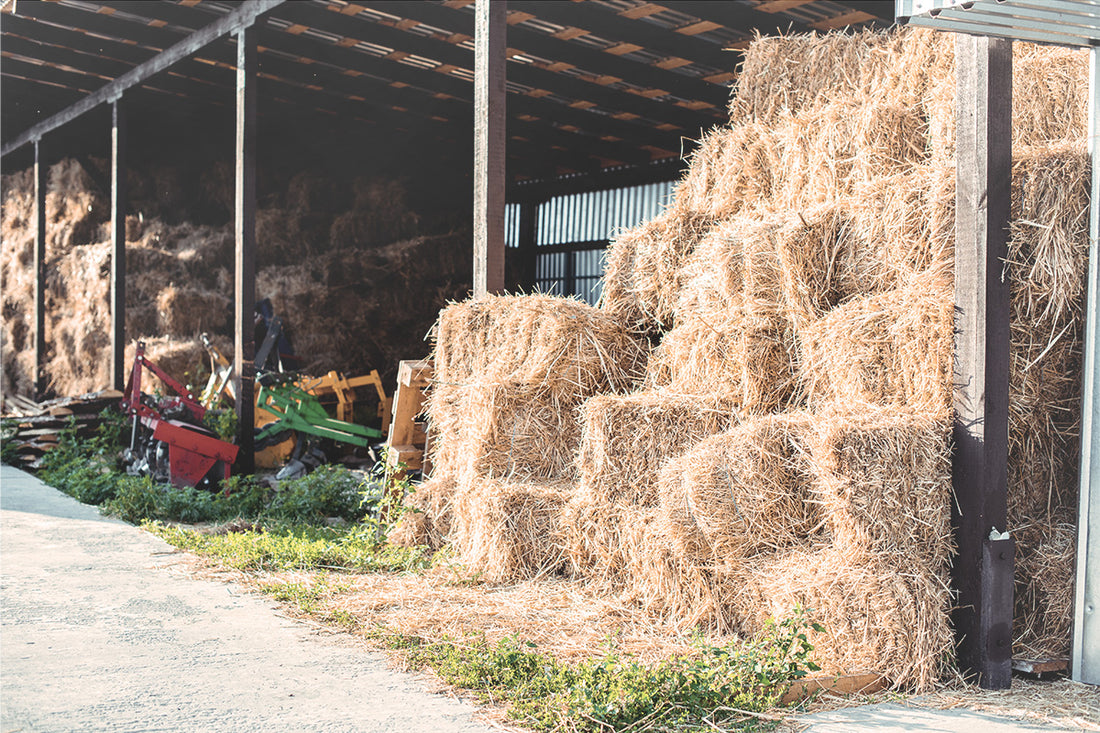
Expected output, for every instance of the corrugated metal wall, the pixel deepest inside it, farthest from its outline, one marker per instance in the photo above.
(572, 232)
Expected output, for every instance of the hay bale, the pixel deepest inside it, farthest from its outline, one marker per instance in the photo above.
(909, 218)
(643, 268)
(882, 479)
(823, 263)
(428, 514)
(625, 442)
(892, 348)
(513, 431)
(535, 339)
(189, 311)
(742, 492)
(1046, 554)
(507, 531)
(730, 170)
(879, 615)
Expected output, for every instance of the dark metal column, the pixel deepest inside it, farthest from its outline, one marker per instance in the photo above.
(984, 565)
(41, 170)
(118, 244)
(244, 346)
(489, 153)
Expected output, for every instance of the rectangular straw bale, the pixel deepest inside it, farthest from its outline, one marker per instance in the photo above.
(883, 480)
(428, 514)
(879, 615)
(535, 339)
(784, 75)
(823, 262)
(627, 438)
(661, 581)
(892, 348)
(1048, 243)
(742, 492)
(626, 441)
(1046, 551)
(730, 170)
(643, 281)
(909, 217)
(505, 430)
(189, 311)
(1043, 421)
(507, 531)
(713, 277)
(827, 152)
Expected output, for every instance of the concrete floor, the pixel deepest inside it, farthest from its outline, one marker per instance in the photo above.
(98, 633)
(894, 718)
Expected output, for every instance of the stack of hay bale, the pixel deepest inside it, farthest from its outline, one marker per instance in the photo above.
(355, 297)
(789, 441)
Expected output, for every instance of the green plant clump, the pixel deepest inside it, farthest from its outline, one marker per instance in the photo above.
(297, 547)
(717, 687)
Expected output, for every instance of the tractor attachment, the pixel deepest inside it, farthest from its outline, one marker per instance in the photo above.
(168, 440)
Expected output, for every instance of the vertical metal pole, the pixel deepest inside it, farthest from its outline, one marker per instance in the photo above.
(118, 244)
(38, 380)
(489, 140)
(528, 249)
(1086, 619)
(244, 346)
(984, 564)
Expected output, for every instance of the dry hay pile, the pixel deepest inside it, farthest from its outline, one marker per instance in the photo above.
(364, 305)
(789, 442)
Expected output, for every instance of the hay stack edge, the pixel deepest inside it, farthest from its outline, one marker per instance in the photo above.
(758, 415)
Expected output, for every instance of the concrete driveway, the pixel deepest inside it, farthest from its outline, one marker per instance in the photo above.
(98, 633)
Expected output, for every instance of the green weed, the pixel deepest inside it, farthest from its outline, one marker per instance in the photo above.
(297, 547)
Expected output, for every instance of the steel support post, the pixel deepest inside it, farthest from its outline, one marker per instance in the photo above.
(244, 229)
(118, 244)
(489, 145)
(41, 172)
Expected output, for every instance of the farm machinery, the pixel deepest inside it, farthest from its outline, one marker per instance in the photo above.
(168, 440)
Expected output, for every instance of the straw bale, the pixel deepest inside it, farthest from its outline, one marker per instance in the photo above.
(713, 276)
(428, 514)
(185, 360)
(644, 264)
(827, 152)
(883, 481)
(668, 587)
(1048, 243)
(879, 615)
(892, 348)
(1046, 553)
(625, 442)
(823, 263)
(909, 218)
(188, 311)
(536, 339)
(741, 492)
(730, 170)
(784, 75)
(519, 431)
(507, 531)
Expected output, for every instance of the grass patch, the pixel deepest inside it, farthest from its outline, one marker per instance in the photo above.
(297, 547)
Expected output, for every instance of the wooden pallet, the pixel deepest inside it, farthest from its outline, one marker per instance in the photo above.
(408, 434)
(34, 428)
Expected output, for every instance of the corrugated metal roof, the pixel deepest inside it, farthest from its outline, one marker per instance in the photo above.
(1061, 22)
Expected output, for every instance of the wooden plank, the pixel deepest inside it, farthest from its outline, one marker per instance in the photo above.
(38, 377)
(855, 684)
(118, 244)
(415, 373)
(244, 229)
(409, 455)
(1040, 666)
(490, 99)
(983, 567)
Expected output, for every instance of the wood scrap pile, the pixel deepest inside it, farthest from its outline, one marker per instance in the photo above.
(34, 428)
